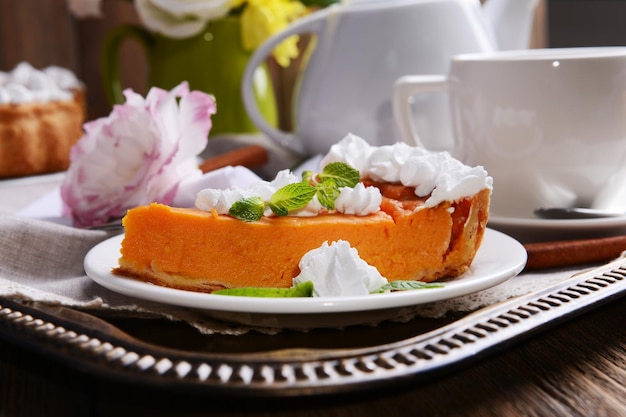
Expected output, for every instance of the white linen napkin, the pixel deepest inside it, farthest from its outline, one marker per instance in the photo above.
(43, 262)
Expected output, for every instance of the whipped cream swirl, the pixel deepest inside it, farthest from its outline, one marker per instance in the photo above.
(437, 174)
(337, 270)
(360, 200)
(26, 84)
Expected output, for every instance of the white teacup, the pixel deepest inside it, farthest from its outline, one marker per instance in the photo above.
(548, 124)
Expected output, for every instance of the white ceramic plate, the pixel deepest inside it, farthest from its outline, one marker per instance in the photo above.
(499, 258)
(536, 229)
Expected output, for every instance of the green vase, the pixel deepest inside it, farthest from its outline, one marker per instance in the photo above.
(212, 61)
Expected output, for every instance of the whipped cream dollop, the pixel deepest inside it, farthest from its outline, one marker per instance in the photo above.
(359, 200)
(337, 270)
(434, 174)
(25, 84)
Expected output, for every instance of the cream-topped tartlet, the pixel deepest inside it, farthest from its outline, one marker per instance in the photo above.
(41, 118)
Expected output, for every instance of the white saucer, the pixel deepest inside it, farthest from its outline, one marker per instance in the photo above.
(536, 229)
(499, 258)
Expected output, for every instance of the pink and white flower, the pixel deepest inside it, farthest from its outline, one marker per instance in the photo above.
(138, 154)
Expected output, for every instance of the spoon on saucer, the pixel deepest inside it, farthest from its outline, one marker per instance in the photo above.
(609, 202)
(569, 213)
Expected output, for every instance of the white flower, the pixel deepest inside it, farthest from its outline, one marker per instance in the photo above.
(138, 154)
(180, 18)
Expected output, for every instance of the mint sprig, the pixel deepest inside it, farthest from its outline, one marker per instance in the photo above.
(304, 289)
(333, 177)
(327, 194)
(325, 185)
(406, 285)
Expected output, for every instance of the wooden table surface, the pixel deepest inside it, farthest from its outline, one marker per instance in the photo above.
(576, 368)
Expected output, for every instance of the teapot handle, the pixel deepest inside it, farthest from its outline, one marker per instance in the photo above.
(111, 57)
(403, 90)
(312, 24)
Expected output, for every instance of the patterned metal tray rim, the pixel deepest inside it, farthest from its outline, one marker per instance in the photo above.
(311, 372)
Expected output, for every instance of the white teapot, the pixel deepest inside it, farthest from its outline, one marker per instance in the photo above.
(362, 46)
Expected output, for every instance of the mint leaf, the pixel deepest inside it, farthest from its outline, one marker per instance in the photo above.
(291, 197)
(327, 194)
(402, 285)
(248, 209)
(304, 289)
(341, 175)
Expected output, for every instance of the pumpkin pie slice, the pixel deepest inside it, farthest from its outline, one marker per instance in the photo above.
(203, 251)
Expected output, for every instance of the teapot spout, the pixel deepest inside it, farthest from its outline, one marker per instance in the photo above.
(512, 21)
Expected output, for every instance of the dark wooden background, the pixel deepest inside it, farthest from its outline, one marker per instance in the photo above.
(43, 33)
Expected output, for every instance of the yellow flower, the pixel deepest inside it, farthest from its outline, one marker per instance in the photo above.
(260, 19)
